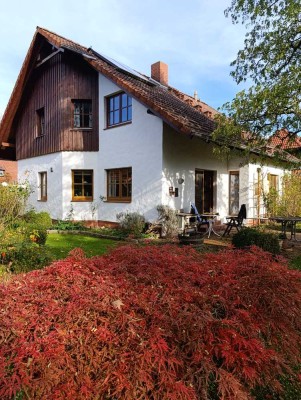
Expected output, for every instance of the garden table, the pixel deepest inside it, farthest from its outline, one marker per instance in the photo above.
(210, 218)
(287, 222)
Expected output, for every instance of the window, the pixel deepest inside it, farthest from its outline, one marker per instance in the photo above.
(40, 122)
(82, 185)
(119, 109)
(119, 184)
(82, 114)
(233, 192)
(43, 186)
(273, 182)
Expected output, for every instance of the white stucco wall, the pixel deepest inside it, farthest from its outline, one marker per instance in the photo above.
(59, 202)
(28, 172)
(137, 145)
(182, 156)
(78, 160)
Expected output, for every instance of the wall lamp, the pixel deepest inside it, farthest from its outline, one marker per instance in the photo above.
(180, 181)
(173, 191)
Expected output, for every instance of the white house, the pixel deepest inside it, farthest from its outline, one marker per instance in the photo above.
(95, 138)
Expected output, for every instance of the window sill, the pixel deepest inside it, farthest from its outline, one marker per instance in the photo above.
(42, 200)
(117, 125)
(39, 137)
(81, 129)
(117, 201)
(82, 199)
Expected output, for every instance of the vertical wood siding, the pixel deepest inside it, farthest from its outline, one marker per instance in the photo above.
(53, 86)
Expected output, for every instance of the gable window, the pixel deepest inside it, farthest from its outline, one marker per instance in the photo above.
(40, 113)
(119, 184)
(82, 185)
(82, 114)
(119, 109)
(43, 186)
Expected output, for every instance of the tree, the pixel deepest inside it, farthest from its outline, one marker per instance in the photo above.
(153, 322)
(271, 59)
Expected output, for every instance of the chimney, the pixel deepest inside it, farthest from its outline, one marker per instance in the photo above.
(159, 72)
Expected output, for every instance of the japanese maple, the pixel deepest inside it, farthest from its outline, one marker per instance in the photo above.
(153, 322)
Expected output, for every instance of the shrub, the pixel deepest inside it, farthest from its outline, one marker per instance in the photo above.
(13, 200)
(68, 226)
(288, 201)
(168, 219)
(250, 236)
(20, 252)
(34, 225)
(40, 219)
(131, 223)
(151, 323)
(26, 256)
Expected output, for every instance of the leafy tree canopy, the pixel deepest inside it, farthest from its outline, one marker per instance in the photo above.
(271, 59)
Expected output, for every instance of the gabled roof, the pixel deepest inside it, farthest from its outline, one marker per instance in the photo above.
(182, 112)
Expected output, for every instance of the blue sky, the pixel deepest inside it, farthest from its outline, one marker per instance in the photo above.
(193, 37)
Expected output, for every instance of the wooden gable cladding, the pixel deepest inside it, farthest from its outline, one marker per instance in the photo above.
(52, 87)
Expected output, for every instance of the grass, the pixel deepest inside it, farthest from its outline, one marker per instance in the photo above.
(60, 245)
(295, 263)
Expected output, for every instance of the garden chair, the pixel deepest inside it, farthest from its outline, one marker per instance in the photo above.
(198, 219)
(235, 221)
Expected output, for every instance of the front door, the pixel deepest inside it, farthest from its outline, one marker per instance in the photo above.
(205, 183)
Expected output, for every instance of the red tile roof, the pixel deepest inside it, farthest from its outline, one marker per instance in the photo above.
(283, 140)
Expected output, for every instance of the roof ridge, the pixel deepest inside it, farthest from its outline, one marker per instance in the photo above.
(41, 30)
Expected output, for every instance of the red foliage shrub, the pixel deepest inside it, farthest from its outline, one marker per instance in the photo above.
(150, 323)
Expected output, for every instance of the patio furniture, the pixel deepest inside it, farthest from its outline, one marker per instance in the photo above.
(235, 221)
(190, 223)
(186, 223)
(209, 219)
(200, 220)
(287, 222)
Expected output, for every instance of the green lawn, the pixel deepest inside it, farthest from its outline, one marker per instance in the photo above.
(295, 263)
(60, 245)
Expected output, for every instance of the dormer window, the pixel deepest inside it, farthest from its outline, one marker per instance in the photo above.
(82, 114)
(119, 109)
